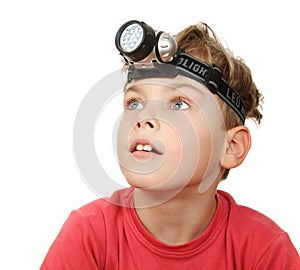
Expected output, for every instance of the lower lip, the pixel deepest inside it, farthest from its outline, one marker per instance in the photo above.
(143, 154)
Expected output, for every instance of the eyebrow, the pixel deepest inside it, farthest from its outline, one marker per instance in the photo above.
(133, 88)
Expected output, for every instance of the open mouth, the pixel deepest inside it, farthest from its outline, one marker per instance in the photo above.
(140, 146)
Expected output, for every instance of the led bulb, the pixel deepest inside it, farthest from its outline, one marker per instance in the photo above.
(132, 37)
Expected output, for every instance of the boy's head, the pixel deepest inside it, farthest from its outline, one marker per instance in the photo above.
(225, 95)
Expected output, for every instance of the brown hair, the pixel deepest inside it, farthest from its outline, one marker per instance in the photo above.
(201, 42)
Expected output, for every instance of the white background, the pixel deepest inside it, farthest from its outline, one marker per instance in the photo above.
(53, 52)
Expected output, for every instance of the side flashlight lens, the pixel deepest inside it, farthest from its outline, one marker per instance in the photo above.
(131, 38)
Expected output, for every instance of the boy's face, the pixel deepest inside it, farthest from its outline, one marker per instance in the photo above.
(168, 133)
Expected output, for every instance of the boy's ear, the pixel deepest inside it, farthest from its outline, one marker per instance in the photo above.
(238, 143)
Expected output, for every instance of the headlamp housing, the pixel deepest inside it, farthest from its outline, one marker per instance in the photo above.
(138, 42)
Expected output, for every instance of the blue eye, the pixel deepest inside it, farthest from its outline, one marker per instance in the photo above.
(180, 105)
(135, 105)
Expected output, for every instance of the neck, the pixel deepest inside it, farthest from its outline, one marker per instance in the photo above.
(181, 218)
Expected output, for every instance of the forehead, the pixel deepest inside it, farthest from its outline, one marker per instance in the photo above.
(167, 86)
(174, 82)
(151, 88)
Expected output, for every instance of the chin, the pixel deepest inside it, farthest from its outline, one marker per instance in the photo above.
(155, 184)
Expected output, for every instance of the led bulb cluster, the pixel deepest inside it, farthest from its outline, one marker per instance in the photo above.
(131, 37)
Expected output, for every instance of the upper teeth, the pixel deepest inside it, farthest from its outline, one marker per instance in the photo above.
(145, 147)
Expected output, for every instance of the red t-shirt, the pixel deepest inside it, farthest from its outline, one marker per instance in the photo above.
(103, 235)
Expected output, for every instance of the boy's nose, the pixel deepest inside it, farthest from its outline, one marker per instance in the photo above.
(151, 124)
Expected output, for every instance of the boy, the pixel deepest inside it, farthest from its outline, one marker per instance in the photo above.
(182, 130)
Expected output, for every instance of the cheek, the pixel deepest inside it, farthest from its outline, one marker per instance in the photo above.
(203, 148)
(172, 144)
(204, 137)
(212, 142)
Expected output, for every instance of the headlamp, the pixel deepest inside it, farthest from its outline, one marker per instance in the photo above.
(160, 56)
(137, 41)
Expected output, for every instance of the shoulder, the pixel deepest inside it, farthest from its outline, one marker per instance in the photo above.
(83, 239)
(259, 236)
(95, 218)
(104, 208)
(248, 220)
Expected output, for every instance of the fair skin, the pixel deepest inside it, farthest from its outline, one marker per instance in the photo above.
(186, 214)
